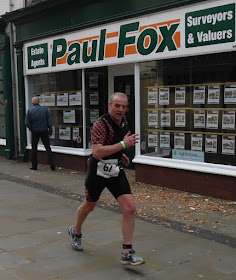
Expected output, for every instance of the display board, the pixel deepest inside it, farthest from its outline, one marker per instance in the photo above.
(197, 117)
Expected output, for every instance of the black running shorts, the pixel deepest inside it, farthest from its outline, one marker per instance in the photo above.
(96, 184)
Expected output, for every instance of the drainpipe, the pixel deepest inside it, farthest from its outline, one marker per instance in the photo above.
(14, 88)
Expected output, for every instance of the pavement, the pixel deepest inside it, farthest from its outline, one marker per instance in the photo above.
(36, 209)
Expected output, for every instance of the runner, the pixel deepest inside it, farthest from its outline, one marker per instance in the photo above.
(110, 137)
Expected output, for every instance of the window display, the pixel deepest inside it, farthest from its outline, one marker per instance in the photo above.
(96, 97)
(189, 104)
(61, 93)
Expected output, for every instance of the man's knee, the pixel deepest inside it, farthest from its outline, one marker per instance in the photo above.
(127, 204)
(89, 206)
(129, 208)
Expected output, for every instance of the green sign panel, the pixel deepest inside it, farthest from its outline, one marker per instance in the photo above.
(38, 56)
(210, 26)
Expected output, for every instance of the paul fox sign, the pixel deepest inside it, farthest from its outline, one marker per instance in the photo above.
(132, 39)
(155, 36)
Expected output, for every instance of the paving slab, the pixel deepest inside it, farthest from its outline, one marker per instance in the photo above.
(35, 245)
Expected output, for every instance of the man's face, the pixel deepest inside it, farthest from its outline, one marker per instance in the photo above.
(118, 108)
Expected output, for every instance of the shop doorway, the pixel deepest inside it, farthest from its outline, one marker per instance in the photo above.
(125, 84)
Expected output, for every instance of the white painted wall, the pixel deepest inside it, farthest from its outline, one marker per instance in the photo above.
(7, 6)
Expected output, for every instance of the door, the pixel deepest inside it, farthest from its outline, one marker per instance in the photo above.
(125, 84)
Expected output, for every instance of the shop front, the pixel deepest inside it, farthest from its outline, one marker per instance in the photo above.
(75, 100)
(178, 69)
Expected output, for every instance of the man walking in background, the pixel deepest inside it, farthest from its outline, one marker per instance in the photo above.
(39, 123)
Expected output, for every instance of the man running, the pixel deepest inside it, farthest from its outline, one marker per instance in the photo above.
(110, 136)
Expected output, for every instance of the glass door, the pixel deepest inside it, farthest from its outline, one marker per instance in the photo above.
(125, 84)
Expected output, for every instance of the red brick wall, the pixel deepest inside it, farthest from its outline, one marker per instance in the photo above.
(218, 186)
(72, 162)
(195, 182)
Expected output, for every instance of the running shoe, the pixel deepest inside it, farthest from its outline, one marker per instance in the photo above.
(131, 258)
(75, 239)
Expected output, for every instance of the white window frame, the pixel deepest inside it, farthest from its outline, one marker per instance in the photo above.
(204, 167)
(60, 149)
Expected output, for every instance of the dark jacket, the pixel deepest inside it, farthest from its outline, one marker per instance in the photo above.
(38, 120)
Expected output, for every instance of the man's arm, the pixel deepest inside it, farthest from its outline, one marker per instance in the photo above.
(49, 123)
(28, 121)
(100, 151)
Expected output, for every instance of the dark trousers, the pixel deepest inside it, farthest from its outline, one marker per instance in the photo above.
(46, 142)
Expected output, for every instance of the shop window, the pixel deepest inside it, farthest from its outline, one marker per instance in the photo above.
(61, 93)
(2, 110)
(96, 97)
(188, 108)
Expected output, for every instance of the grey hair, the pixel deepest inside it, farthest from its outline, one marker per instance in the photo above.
(121, 94)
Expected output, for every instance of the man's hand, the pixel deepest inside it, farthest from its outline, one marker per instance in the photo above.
(125, 160)
(130, 140)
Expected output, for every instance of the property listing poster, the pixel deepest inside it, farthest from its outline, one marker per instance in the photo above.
(94, 98)
(211, 143)
(199, 95)
(164, 96)
(94, 115)
(152, 96)
(228, 120)
(152, 139)
(199, 118)
(62, 99)
(230, 94)
(41, 99)
(212, 119)
(75, 98)
(180, 93)
(165, 118)
(196, 142)
(153, 118)
(180, 118)
(228, 145)
(49, 99)
(179, 141)
(69, 116)
(75, 133)
(64, 133)
(93, 80)
(213, 94)
(165, 140)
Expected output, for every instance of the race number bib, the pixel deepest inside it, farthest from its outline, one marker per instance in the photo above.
(108, 168)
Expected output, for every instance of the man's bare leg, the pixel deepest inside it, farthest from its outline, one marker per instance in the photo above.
(82, 213)
(128, 207)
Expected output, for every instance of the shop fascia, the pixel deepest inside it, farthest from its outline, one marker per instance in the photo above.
(155, 36)
(98, 48)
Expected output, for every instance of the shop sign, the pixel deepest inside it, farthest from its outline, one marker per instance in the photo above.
(210, 26)
(132, 38)
(188, 155)
(38, 56)
(144, 43)
(151, 37)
